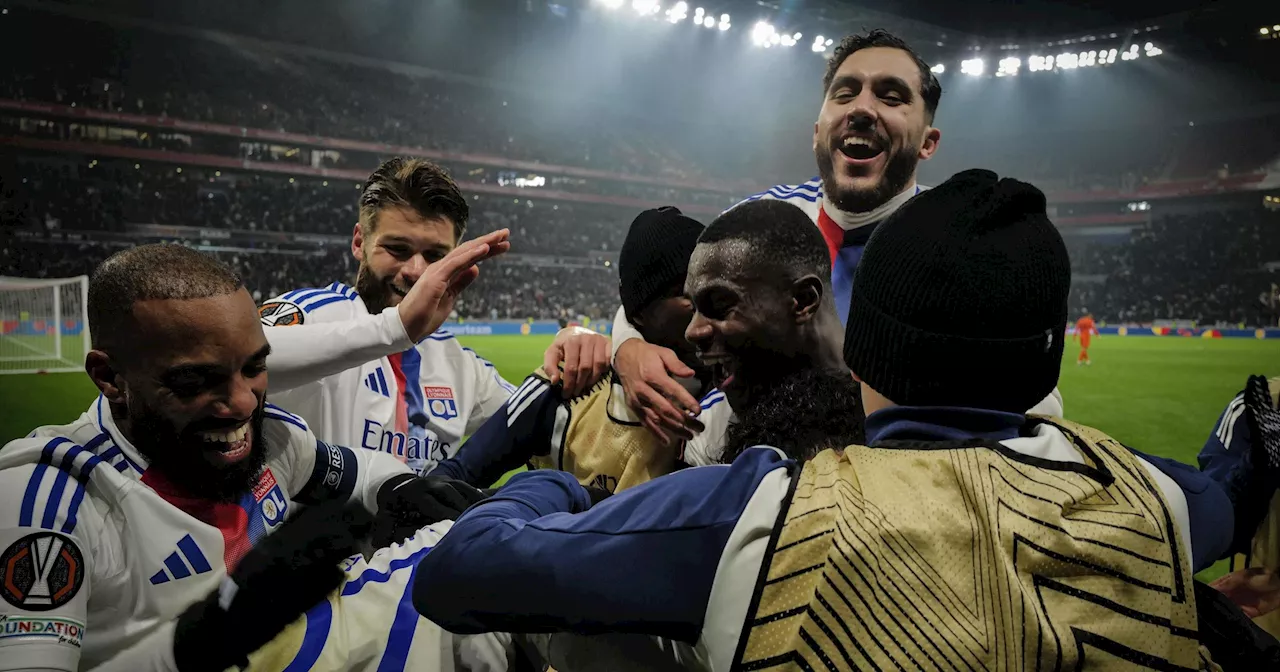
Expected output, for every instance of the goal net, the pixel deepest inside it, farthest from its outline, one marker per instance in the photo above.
(44, 326)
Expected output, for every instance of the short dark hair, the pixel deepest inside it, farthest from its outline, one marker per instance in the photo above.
(782, 240)
(930, 89)
(145, 273)
(805, 413)
(416, 184)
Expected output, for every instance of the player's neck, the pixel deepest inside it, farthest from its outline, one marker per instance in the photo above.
(853, 220)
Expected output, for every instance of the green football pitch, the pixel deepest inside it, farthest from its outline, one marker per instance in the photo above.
(1160, 395)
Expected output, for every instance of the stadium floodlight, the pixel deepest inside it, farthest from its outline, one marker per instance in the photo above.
(938, 69)
(708, 22)
(972, 67)
(1276, 27)
(1037, 63)
(761, 34)
(697, 14)
(819, 45)
(724, 22)
(830, 41)
(678, 12)
(797, 36)
(643, 7)
(1008, 67)
(1067, 61)
(611, 4)
(1152, 50)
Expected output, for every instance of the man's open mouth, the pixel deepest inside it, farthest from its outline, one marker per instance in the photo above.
(722, 371)
(861, 148)
(228, 446)
(397, 291)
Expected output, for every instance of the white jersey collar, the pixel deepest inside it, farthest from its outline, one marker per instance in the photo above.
(853, 220)
(100, 411)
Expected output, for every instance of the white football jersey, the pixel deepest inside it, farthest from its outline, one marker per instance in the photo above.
(707, 446)
(99, 556)
(416, 405)
(370, 624)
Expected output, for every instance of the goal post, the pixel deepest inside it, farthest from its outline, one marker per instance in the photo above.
(44, 324)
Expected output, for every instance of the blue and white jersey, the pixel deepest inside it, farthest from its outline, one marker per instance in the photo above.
(99, 557)
(360, 381)
(707, 446)
(369, 624)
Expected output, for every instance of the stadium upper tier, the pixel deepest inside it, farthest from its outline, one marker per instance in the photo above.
(273, 103)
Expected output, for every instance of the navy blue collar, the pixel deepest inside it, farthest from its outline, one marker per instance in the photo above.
(941, 423)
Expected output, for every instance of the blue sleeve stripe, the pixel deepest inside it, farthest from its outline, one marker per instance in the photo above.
(319, 620)
(280, 411)
(382, 576)
(318, 304)
(27, 513)
(297, 293)
(54, 501)
(396, 653)
(711, 401)
(92, 445)
(286, 418)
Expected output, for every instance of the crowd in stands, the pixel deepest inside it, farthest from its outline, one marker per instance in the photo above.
(110, 194)
(148, 72)
(1209, 267)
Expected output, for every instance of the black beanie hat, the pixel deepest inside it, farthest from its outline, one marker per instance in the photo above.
(960, 298)
(654, 256)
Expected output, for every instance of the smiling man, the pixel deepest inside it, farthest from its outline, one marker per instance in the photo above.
(874, 127)
(368, 366)
(112, 526)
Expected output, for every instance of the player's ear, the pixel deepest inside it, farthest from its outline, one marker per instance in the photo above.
(932, 137)
(357, 242)
(104, 375)
(806, 297)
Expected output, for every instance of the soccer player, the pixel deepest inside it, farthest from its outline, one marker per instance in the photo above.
(964, 531)
(874, 127)
(113, 525)
(1085, 331)
(595, 436)
(366, 365)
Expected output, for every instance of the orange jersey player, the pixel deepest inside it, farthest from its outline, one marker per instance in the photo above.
(1085, 331)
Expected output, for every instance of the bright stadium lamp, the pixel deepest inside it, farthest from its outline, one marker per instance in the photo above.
(678, 12)
(972, 67)
(724, 22)
(709, 22)
(938, 69)
(643, 7)
(610, 4)
(1008, 67)
(762, 34)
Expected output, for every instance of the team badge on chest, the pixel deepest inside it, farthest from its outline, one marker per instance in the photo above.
(271, 501)
(440, 402)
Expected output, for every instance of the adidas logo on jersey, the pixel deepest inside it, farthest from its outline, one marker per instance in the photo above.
(176, 568)
(378, 383)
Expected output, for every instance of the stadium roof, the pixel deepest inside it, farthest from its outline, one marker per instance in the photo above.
(1007, 18)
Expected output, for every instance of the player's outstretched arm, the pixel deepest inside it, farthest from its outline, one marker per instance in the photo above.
(522, 428)
(642, 561)
(305, 353)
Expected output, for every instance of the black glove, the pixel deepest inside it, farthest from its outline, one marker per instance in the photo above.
(276, 582)
(1264, 425)
(408, 503)
(1234, 641)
